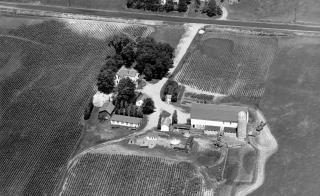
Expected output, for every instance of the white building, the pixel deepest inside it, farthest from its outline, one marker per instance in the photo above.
(140, 100)
(127, 73)
(165, 124)
(213, 117)
(126, 121)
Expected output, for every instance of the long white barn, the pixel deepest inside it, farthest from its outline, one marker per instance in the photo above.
(212, 115)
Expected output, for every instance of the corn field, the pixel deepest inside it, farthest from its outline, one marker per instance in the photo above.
(241, 71)
(115, 174)
(47, 74)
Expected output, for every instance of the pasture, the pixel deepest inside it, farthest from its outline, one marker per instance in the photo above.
(291, 105)
(115, 174)
(234, 64)
(47, 73)
(307, 11)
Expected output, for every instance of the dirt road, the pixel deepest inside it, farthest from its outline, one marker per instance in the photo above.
(266, 145)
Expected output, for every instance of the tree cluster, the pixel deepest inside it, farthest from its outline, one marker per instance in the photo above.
(170, 88)
(129, 110)
(148, 106)
(156, 6)
(175, 117)
(153, 59)
(124, 55)
(212, 9)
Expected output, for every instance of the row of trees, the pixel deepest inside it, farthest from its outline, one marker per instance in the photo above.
(155, 5)
(212, 9)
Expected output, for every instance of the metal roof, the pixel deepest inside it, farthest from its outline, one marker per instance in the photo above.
(214, 112)
(125, 72)
(126, 119)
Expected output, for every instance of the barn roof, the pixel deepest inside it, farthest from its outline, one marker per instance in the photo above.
(214, 112)
(126, 119)
(125, 72)
(108, 107)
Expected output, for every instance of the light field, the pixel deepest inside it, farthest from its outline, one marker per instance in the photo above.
(47, 73)
(230, 64)
(114, 174)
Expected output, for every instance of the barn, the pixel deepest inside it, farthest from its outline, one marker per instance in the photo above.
(220, 117)
(106, 111)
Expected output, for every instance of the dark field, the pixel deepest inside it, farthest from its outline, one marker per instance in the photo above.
(113, 174)
(291, 105)
(308, 11)
(47, 73)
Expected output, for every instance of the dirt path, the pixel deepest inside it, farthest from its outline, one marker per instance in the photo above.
(22, 39)
(224, 13)
(266, 145)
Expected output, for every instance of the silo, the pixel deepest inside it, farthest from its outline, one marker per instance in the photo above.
(242, 125)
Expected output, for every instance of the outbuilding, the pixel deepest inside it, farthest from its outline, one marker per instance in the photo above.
(219, 117)
(165, 124)
(125, 121)
(106, 111)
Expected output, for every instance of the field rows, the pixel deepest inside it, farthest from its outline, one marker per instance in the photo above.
(103, 174)
(240, 69)
(43, 95)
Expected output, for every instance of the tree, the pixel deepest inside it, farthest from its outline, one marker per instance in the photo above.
(130, 3)
(106, 81)
(128, 54)
(148, 106)
(88, 109)
(118, 42)
(212, 9)
(159, 122)
(153, 59)
(126, 89)
(114, 63)
(182, 6)
(174, 117)
(169, 6)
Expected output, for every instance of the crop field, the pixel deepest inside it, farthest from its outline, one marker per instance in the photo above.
(115, 174)
(47, 73)
(228, 63)
(93, 4)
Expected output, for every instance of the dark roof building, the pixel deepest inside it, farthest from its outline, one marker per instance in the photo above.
(107, 107)
(213, 112)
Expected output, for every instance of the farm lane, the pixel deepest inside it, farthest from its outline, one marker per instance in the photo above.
(266, 144)
(143, 16)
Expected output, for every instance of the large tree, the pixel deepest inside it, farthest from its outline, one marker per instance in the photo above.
(182, 6)
(212, 9)
(118, 42)
(148, 106)
(175, 117)
(153, 59)
(126, 88)
(128, 54)
(106, 81)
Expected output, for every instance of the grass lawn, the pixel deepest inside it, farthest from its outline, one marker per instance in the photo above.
(170, 34)
(276, 10)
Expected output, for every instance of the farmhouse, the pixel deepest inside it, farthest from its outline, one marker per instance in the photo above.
(106, 110)
(127, 73)
(165, 124)
(230, 119)
(126, 121)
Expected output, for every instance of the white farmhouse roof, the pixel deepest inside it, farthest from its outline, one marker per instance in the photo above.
(214, 112)
(125, 72)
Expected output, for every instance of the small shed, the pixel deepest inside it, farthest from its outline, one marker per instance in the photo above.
(106, 110)
(140, 100)
(168, 98)
(165, 124)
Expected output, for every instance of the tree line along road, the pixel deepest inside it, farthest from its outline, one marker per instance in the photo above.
(149, 16)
